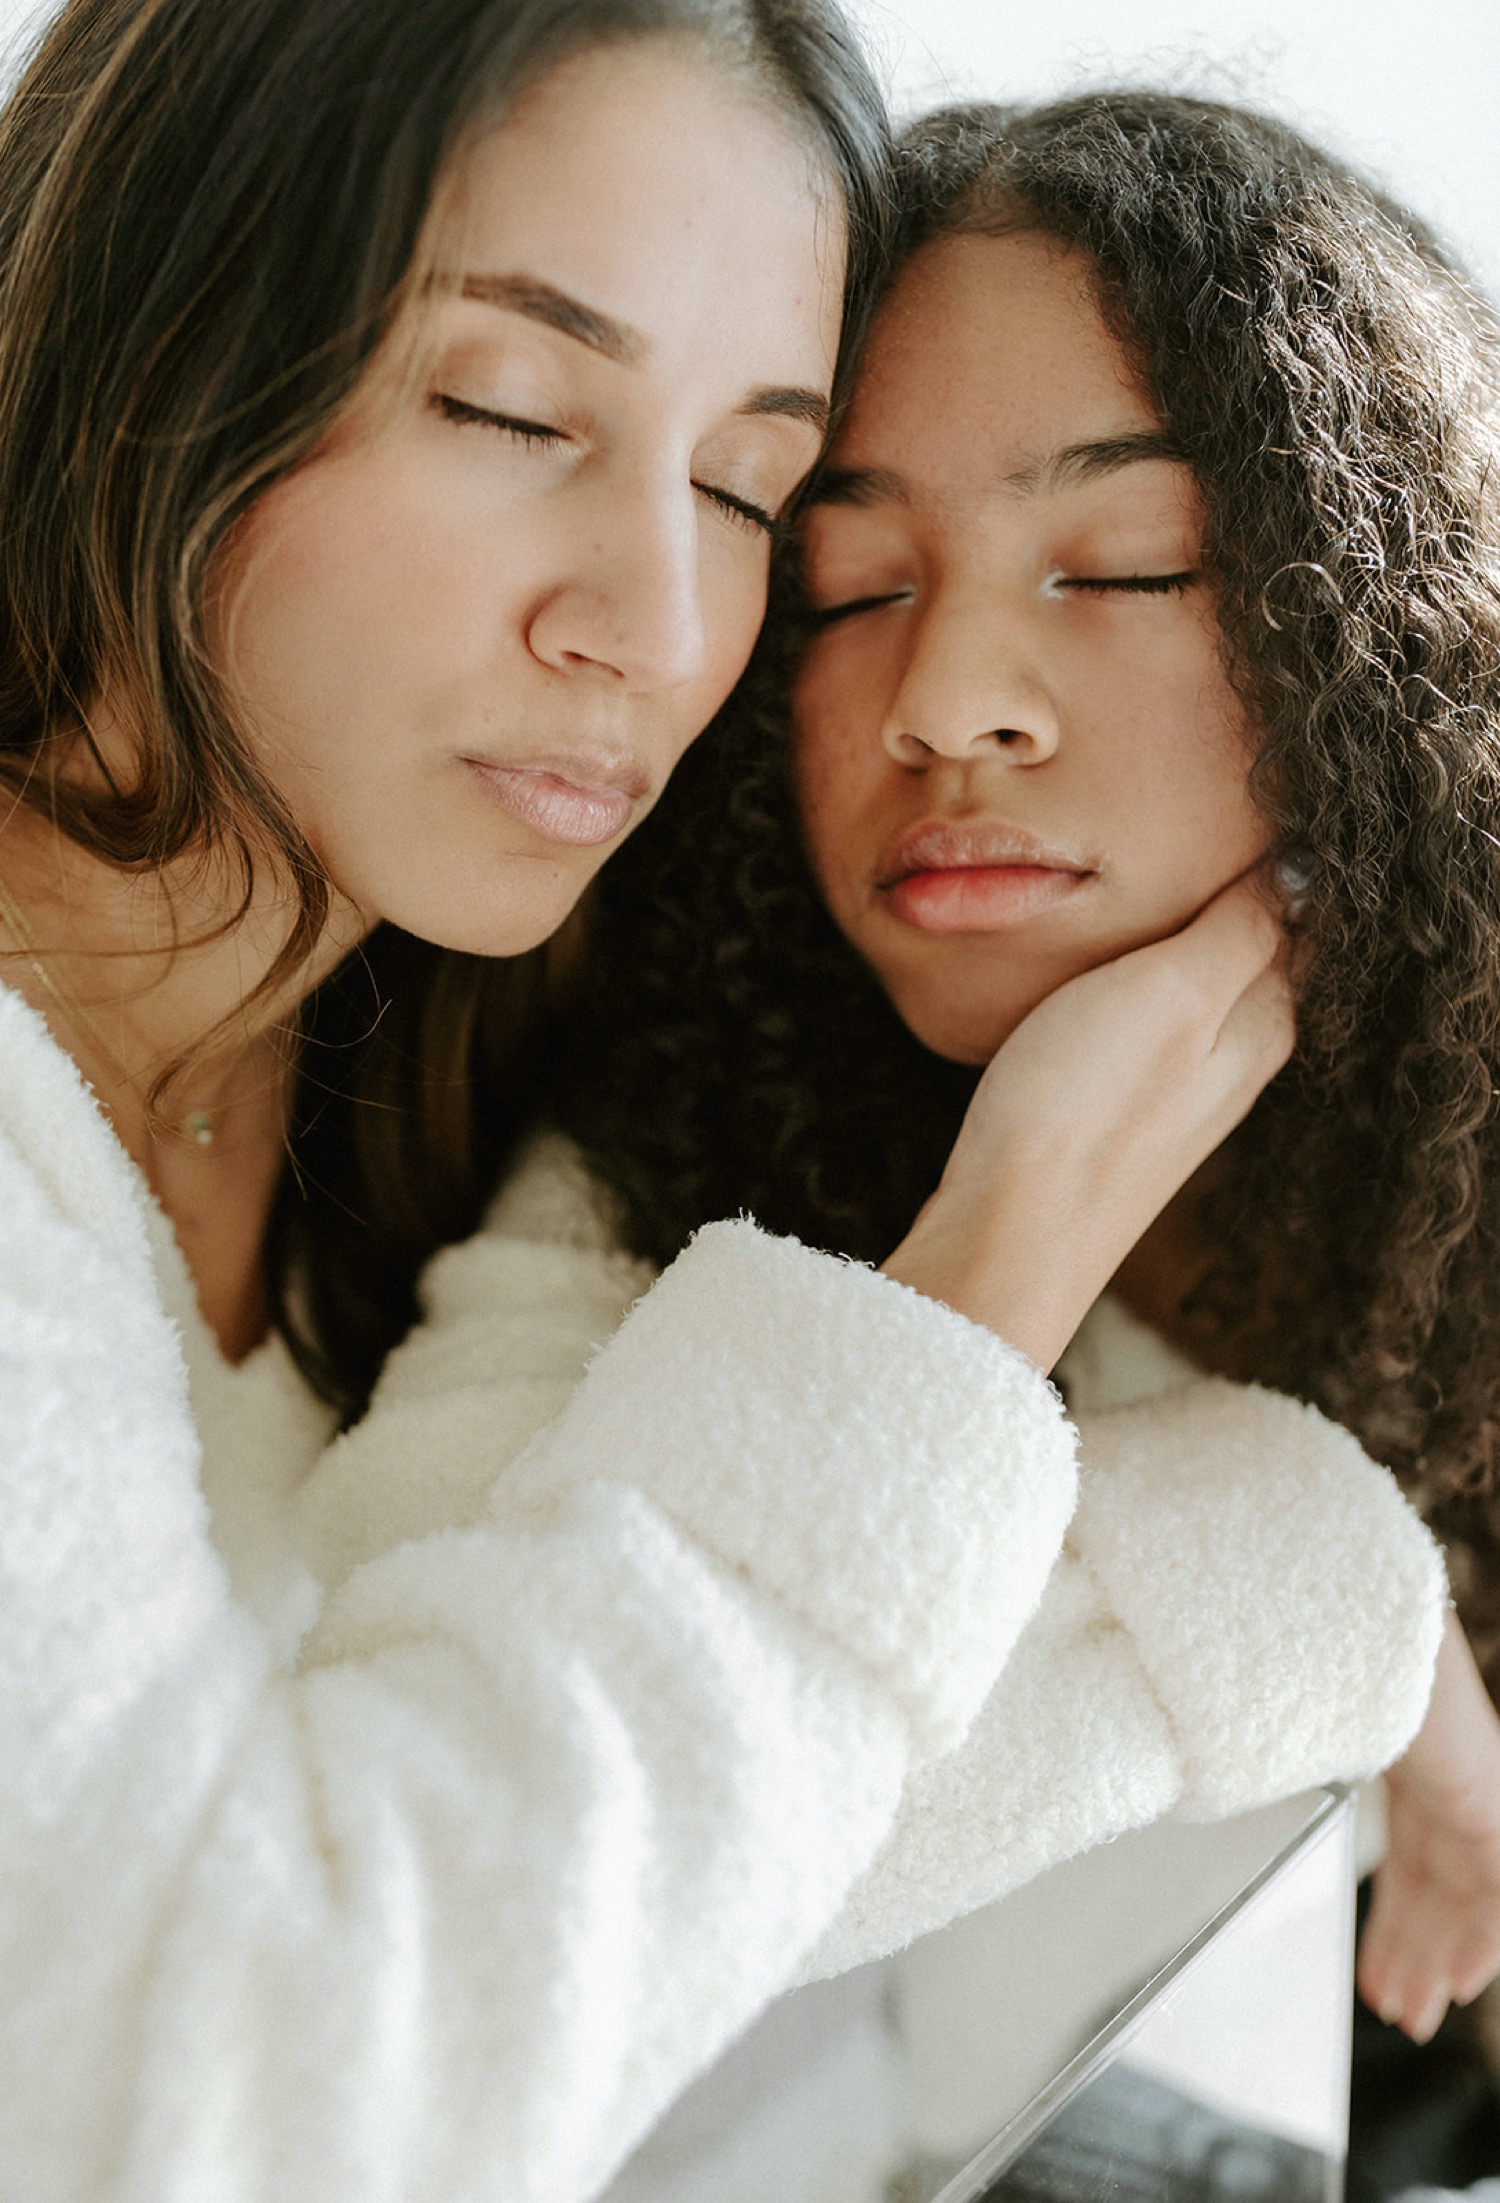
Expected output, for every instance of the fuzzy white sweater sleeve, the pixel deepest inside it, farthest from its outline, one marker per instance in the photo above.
(1245, 1605)
(552, 1799)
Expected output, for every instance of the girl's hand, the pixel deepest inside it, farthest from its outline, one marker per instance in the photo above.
(1101, 1104)
(1433, 1934)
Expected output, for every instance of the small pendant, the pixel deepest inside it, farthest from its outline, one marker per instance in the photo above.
(199, 1128)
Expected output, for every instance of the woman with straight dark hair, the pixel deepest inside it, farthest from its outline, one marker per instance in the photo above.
(396, 406)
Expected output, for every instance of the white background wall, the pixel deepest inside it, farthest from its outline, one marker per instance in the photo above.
(1407, 89)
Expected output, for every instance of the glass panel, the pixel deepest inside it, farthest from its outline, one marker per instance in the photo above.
(1164, 2020)
(1224, 2079)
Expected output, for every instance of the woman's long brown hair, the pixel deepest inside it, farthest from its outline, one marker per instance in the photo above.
(211, 212)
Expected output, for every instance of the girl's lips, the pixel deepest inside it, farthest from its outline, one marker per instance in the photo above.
(980, 898)
(555, 807)
(975, 875)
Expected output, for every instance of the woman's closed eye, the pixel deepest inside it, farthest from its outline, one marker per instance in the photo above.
(466, 415)
(742, 512)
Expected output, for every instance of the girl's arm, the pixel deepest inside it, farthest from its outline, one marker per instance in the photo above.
(1433, 1935)
(1245, 1607)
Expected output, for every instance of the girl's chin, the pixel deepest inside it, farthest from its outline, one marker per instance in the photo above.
(960, 1032)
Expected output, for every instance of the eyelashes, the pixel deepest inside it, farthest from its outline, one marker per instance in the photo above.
(1102, 585)
(535, 435)
(1056, 585)
(830, 615)
(741, 512)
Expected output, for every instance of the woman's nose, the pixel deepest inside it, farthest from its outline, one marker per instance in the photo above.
(970, 688)
(630, 608)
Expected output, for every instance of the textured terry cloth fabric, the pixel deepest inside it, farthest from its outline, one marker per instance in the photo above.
(440, 1880)
(769, 2109)
(1068, 1741)
(414, 1819)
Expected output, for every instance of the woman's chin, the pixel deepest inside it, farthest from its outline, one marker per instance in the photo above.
(486, 923)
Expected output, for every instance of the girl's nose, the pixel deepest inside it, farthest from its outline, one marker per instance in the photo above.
(970, 689)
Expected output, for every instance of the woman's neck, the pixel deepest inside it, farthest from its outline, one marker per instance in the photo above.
(133, 972)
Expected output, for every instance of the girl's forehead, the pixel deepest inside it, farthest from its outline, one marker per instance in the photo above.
(991, 353)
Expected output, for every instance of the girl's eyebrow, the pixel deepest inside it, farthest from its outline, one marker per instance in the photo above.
(1065, 468)
(1088, 461)
(859, 486)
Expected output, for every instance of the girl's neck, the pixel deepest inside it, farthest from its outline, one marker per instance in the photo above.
(1168, 1262)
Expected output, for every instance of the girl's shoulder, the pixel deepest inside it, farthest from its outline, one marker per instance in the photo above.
(1116, 1360)
(550, 1196)
(548, 1240)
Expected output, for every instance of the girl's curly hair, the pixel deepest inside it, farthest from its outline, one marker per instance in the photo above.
(1332, 380)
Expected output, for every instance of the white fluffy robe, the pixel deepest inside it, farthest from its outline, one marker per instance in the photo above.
(408, 1820)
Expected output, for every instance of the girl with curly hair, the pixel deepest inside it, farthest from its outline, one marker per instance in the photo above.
(1160, 541)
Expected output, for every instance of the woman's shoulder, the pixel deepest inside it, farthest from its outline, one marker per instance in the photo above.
(59, 1160)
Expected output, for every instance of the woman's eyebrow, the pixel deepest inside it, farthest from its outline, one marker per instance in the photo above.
(616, 340)
(791, 402)
(526, 294)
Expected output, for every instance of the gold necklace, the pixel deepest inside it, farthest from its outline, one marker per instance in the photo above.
(197, 1126)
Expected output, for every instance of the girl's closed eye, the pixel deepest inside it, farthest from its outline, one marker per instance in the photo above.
(1100, 585)
(848, 608)
(743, 512)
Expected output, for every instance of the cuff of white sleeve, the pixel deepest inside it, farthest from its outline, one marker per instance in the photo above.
(896, 1474)
(1284, 1599)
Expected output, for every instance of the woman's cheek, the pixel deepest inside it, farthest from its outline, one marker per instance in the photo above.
(734, 597)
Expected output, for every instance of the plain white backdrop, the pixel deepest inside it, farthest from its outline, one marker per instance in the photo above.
(1409, 90)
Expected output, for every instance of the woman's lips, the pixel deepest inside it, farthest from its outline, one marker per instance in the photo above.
(578, 803)
(975, 877)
